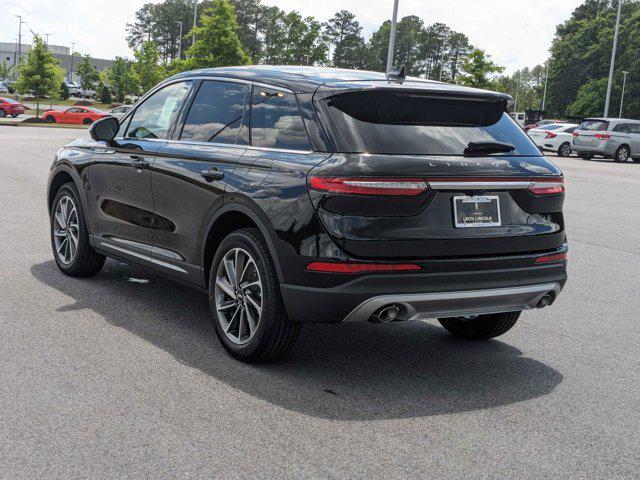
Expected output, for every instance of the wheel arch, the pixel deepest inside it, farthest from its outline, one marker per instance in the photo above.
(62, 175)
(231, 217)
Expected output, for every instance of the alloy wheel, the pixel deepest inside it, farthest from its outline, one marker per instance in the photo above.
(623, 154)
(565, 150)
(66, 230)
(238, 295)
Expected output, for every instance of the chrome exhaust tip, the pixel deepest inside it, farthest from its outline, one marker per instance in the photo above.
(386, 314)
(545, 300)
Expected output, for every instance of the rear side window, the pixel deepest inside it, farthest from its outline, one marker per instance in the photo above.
(217, 113)
(594, 125)
(571, 129)
(405, 123)
(154, 117)
(621, 128)
(276, 121)
(634, 128)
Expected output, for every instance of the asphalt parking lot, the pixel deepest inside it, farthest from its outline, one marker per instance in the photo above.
(120, 375)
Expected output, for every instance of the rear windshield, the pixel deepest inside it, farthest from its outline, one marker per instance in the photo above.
(406, 123)
(551, 127)
(594, 125)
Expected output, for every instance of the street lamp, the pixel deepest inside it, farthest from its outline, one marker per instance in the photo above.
(392, 36)
(546, 81)
(73, 46)
(613, 61)
(20, 23)
(515, 103)
(624, 84)
(442, 59)
(179, 41)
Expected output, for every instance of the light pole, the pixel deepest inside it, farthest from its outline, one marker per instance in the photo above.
(195, 20)
(179, 41)
(392, 36)
(515, 103)
(20, 23)
(73, 46)
(624, 84)
(546, 81)
(46, 42)
(613, 61)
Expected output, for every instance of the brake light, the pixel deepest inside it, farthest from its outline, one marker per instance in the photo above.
(551, 135)
(602, 136)
(543, 186)
(350, 267)
(370, 186)
(556, 257)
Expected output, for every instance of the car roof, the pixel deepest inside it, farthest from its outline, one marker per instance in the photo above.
(611, 120)
(307, 79)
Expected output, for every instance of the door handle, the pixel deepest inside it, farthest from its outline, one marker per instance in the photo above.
(212, 174)
(138, 162)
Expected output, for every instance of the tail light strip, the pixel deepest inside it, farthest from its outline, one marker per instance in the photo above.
(351, 267)
(416, 186)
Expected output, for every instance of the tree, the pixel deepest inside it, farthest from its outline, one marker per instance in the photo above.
(217, 44)
(529, 85)
(104, 94)
(250, 25)
(344, 32)
(123, 79)
(146, 66)
(41, 75)
(590, 99)
(64, 91)
(5, 70)
(477, 68)
(87, 73)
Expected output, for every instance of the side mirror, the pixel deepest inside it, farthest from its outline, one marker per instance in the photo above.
(105, 129)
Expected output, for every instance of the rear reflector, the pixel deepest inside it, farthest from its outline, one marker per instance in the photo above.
(556, 257)
(543, 186)
(349, 267)
(370, 186)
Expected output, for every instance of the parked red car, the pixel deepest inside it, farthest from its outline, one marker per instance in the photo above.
(10, 107)
(74, 115)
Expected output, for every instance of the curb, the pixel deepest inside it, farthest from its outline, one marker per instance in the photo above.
(42, 125)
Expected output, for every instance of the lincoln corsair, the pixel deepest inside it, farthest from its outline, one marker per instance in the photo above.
(306, 194)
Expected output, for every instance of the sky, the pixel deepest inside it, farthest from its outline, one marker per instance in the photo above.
(516, 33)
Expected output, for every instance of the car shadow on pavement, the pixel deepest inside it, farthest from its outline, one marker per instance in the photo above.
(342, 372)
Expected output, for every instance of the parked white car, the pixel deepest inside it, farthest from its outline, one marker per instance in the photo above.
(119, 112)
(556, 137)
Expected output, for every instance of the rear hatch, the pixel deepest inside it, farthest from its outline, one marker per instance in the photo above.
(433, 175)
(591, 133)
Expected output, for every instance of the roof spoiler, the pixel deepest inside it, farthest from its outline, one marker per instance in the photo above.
(396, 74)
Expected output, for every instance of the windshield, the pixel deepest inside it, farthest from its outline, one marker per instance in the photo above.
(594, 125)
(406, 123)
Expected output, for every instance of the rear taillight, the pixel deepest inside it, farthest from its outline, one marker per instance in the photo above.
(551, 135)
(370, 186)
(556, 257)
(543, 186)
(602, 136)
(351, 267)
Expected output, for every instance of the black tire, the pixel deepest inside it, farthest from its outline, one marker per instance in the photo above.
(2, 113)
(87, 121)
(274, 334)
(15, 115)
(481, 327)
(86, 262)
(564, 150)
(586, 156)
(622, 154)
(50, 119)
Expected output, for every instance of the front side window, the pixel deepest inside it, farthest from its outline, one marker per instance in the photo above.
(154, 117)
(217, 113)
(276, 121)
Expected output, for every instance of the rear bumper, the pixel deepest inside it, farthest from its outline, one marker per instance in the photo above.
(603, 149)
(426, 295)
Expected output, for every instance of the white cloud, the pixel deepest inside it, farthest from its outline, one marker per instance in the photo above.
(516, 33)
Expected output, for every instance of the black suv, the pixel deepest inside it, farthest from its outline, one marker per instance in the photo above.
(304, 194)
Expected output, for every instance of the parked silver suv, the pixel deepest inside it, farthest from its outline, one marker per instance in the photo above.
(616, 138)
